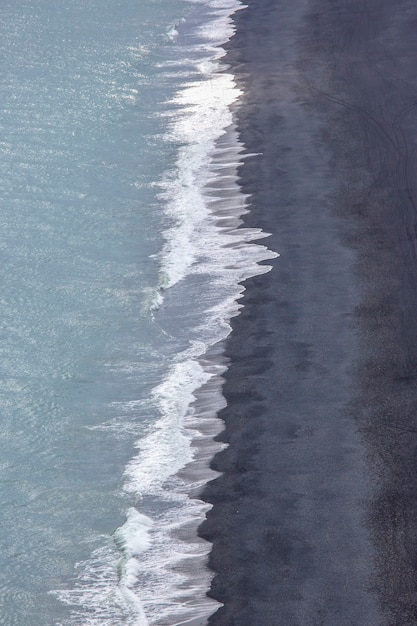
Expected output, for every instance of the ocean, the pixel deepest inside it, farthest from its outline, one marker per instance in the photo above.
(122, 259)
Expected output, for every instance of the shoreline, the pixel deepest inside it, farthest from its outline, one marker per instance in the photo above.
(313, 515)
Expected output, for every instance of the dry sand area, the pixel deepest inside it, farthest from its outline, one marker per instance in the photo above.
(314, 520)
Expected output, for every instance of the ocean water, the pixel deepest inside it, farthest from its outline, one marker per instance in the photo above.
(121, 263)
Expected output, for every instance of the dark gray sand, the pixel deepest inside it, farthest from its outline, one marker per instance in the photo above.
(315, 516)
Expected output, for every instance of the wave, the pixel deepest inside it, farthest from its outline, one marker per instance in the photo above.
(162, 576)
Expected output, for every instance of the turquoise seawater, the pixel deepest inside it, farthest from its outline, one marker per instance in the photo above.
(120, 265)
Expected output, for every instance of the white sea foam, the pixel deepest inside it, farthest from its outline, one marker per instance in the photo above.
(203, 116)
(204, 204)
(167, 449)
(106, 597)
(132, 539)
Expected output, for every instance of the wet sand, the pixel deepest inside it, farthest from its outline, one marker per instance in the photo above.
(315, 515)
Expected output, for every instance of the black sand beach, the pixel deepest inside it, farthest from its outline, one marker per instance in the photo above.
(315, 515)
